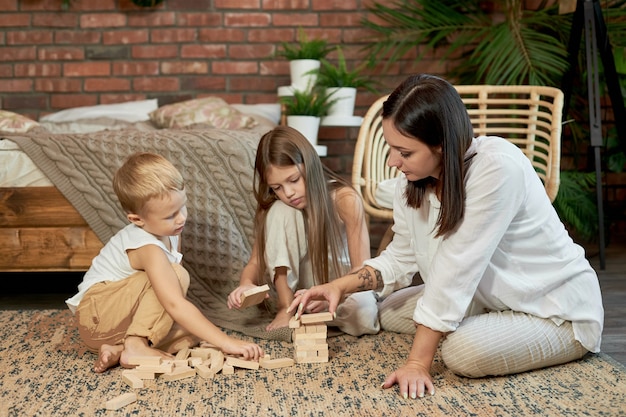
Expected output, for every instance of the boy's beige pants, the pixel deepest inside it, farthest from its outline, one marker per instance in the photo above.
(112, 310)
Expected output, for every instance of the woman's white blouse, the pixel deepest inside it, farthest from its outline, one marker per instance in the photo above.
(510, 252)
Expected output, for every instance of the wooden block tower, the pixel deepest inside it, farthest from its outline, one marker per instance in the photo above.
(309, 337)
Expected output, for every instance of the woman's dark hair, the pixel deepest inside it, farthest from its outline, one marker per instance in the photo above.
(429, 109)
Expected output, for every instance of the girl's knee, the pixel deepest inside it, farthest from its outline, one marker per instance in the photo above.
(183, 276)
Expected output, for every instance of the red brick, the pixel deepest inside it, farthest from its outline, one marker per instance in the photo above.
(6, 70)
(203, 51)
(250, 51)
(155, 19)
(150, 51)
(235, 67)
(125, 37)
(87, 5)
(31, 37)
(204, 83)
(156, 84)
(240, 4)
(247, 19)
(58, 85)
(221, 35)
(76, 37)
(8, 5)
(15, 85)
(67, 101)
(274, 68)
(199, 19)
(55, 20)
(272, 35)
(136, 68)
(342, 20)
(106, 84)
(120, 98)
(173, 35)
(102, 20)
(17, 53)
(184, 67)
(296, 19)
(86, 69)
(14, 19)
(37, 70)
(254, 84)
(61, 53)
(285, 4)
(334, 5)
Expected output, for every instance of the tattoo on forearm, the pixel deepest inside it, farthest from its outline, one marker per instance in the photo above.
(369, 282)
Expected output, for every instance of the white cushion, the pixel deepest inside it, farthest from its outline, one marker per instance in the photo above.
(132, 111)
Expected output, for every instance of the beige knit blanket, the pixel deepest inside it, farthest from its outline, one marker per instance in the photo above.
(218, 169)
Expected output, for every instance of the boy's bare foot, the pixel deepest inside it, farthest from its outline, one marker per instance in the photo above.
(281, 320)
(138, 346)
(108, 357)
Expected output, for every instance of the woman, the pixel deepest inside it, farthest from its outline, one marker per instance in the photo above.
(505, 290)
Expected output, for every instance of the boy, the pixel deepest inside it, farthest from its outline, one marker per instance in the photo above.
(132, 299)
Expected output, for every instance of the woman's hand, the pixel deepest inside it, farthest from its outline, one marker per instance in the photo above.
(250, 351)
(413, 379)
(304, 299)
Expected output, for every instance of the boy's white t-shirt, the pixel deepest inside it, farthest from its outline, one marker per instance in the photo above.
(112, 263)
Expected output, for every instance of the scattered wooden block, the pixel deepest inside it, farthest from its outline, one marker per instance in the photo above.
(204, 371)
(254, 296)
(228, 369)
(195, 361)
(241, 363)
(157, 369)
(276, 363)
(182, 354)
(203, 353)
(120, 401)
(132, 380)
(145, 360)
(140, 374)
(316, 317)
(179, 373)
(217, 361)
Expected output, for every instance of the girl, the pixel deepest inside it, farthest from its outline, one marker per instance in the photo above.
(505, 286)
(310, 228)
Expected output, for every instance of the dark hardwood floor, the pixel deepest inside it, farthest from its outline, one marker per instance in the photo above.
(49, 291)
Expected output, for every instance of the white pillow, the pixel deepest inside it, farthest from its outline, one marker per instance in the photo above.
(132, 111)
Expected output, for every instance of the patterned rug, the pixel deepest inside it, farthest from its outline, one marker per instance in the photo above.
(44, 371)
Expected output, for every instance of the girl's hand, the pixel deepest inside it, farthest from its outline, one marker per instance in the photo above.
(249, 350)
(302, 298)
(234, 298)
(413, 379)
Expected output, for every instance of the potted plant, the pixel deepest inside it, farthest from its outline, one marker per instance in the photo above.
(304, 110)
(304, 59)
(342, 83)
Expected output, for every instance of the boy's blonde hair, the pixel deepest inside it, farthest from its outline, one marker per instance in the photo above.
(144, 176)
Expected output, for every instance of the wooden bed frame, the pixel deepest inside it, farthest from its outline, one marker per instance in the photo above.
(41, 231)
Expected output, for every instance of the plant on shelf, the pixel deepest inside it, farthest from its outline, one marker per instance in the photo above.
(304, 59)
(304, 48)
(343, 83)
(314, 102)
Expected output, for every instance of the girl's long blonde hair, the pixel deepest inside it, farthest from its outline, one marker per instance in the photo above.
(284, 146)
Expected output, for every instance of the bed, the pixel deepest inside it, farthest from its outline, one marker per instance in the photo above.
(40, 228)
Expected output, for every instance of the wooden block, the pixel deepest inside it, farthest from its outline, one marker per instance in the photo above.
(204, 371)
(316, 328)
(157, 369)
(303, 336)
(217, 361)
(203, 353)
(120, 401)
(132, 380)
(276, 363)
(179, 373)
(181, 362)
(241, 363)
(254, 296)
(140, 374)
(316, 317)
(194, 361)
(313, 359)
(145, 360)
(294, 323)
(228, 369)
(182, 354)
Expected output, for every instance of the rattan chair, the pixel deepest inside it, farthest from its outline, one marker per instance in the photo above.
(529, 116)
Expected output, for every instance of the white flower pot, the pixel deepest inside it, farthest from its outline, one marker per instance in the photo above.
(301, 80)
(345, 98)
(307, 125)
